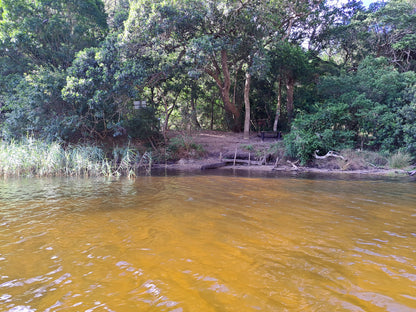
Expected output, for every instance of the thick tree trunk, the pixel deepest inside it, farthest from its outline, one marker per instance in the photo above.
(247, 106)
(279, 105)
(224, 85)
(290, 85)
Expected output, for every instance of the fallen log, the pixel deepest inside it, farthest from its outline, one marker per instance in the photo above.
(329, 154)
(213, 166)
(412, 173)
(242, 161)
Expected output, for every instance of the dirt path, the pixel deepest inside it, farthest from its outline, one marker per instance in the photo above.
(215, 142)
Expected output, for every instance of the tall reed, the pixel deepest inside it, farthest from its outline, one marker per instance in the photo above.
(32, 157)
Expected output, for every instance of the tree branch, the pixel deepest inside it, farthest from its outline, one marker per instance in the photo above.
(329, 154)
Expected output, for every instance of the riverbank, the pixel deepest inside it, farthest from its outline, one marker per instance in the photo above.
(230, 151)
(192, 165)
(201, 150)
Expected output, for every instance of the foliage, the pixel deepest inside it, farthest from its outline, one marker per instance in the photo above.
(49, 33)
(34, 105)
(322, 131)
(142, 124)
(72, 69)
(384, 29)
(183, 146)
(360, 109)
(38, 42)
(221, 40)
(248, 147)
(407, 118)
(99, 91)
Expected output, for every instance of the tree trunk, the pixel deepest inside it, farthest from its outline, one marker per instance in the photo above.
(212, 115)
(279, 105)
(290, 85)
(247, 106)
(194, 116)
(224, 85)
(167, 112)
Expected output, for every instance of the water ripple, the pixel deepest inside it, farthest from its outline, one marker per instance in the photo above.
(216, 243)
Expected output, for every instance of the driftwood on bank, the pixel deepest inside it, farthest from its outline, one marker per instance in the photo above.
(242, 161)
(329, 154)
(213, 166)
(293, 164)
(228, 161)
(412, 173)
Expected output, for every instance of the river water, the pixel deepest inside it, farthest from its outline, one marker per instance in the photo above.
(207, 243)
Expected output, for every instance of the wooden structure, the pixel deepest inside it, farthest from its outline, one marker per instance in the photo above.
(270, 134)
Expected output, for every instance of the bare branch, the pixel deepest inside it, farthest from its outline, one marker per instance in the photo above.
(329, 154)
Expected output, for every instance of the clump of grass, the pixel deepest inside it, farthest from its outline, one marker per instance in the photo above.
(183, 146)
(32, 157)
(248, 147)
(29, 157)
(353, 160)
(277, 149)
(399, 160)
(357, 159)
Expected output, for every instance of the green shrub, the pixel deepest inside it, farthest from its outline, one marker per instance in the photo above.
(325, 130)
(142, 124)
(183, 146)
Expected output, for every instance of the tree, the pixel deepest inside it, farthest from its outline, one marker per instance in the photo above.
(33, 105)
(218, 38)
(99, 86)
(385, 29)
(39, 40)
(393, 30)
(49, 33)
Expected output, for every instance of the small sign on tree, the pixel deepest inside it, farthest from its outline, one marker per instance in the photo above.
(139, 104)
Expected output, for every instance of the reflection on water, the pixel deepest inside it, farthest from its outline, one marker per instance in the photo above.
(207, 243)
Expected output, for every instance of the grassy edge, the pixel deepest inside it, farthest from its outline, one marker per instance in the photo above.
(31, 157)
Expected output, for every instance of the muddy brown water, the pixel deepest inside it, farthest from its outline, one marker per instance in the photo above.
(207, 243)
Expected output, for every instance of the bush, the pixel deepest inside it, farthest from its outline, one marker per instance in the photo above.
(324, 131)
(35, 106)
(142, 124)
(183, 146)
(373, 107)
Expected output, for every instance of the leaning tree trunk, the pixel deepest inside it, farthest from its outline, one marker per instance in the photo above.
(247, 106)
(279, 105)
(224, 85)
(290, 85)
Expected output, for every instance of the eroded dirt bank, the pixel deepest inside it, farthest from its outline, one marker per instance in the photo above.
(262, 156)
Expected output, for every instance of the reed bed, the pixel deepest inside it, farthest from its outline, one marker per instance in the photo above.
(32, 157)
